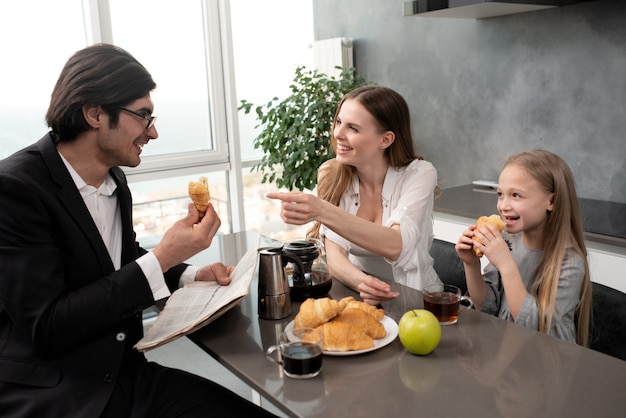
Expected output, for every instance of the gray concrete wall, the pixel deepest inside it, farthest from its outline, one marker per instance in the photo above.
(482, 89)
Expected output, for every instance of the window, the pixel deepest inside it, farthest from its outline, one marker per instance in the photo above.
(195, 54)
(157, 204)
(263, 214)
(168, 39)
(181, 48)
(33, 50)
(180, 44)
(270, 39)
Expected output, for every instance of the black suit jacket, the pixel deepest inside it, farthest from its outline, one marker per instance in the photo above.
(68, 320)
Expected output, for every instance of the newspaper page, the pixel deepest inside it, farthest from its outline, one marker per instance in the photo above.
(198, 303)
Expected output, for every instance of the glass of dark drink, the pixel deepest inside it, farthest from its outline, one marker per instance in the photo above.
(444, 301)
(299, 352)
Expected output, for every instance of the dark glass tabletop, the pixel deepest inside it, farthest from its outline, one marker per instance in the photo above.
(482, 367)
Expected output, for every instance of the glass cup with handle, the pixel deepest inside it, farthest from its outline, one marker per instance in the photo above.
(444, 301)
(300, 352)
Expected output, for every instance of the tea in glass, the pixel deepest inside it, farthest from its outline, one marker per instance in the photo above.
(444, 301)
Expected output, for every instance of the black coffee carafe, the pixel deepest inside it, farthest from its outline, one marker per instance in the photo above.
(312, 280)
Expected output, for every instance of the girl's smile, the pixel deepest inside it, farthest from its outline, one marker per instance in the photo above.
(523, 204)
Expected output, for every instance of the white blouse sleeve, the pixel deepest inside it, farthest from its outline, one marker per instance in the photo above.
(413, 209)
(327, 233)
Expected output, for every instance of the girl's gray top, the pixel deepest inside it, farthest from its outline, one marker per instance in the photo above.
(567, 296)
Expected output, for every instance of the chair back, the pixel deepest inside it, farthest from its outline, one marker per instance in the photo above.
(448, 265)
(608, 321)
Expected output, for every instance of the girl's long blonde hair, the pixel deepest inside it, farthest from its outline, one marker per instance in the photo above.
(563, 229)
(392, 114)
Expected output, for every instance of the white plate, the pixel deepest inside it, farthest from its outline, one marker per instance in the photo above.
(391, 333)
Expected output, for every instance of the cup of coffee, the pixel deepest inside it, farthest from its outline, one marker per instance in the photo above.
(299, 352)
(444, 301)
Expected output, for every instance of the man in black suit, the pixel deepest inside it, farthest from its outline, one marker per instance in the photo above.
(73, 280)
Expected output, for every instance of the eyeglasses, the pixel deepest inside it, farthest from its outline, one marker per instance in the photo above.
(150, 119)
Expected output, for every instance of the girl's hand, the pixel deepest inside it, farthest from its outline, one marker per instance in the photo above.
(375, 291)
(465, 246)
(493, 245)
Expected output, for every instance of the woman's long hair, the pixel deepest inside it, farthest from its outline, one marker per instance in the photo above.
(391, 112)
(563, 230)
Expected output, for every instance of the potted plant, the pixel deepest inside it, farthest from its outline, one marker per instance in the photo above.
(295, 131)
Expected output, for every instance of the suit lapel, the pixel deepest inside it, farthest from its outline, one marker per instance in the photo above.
(70, 198)
(124, 201)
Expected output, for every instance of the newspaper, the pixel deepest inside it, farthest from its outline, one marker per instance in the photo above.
(199, 303)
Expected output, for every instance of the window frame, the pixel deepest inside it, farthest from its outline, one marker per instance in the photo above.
(226, 154)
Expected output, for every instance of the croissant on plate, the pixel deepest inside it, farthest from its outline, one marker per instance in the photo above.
(351, 302)
(494, 220)
(199, 194)
(340, 336)
(363, 320)
(314, 312)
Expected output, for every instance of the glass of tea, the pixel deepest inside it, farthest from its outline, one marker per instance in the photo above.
(300, 352)
(444, 301)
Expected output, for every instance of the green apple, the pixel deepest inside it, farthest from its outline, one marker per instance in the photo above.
(419, 331)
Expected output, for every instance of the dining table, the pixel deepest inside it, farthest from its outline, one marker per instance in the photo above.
(483, 366)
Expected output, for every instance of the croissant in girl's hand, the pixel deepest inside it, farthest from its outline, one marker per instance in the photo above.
(494, 220)
(199, 194)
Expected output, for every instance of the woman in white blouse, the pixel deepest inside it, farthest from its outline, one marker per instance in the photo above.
(375, 199)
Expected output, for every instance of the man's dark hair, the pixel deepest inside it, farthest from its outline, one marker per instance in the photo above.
(101, 74)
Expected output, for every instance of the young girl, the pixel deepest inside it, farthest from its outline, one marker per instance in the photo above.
(537, 274)
(375, 198)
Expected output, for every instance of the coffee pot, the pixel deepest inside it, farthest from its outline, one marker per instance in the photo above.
(310, 277)
(274, 292)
